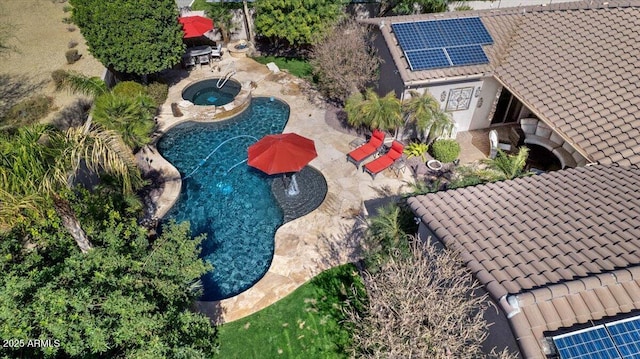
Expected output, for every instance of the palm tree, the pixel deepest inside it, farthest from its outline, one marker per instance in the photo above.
(38, 163)
(131, 117)
(424, 111)
(92, 87)
(373, 111)
(509, 166)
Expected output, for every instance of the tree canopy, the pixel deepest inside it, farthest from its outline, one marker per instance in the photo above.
(127, 298)
(298, 22)
(131, 36)
(345, 60)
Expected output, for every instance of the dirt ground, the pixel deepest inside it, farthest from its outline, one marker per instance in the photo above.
(40, 39)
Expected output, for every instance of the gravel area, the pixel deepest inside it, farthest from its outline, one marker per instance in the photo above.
(39, 40)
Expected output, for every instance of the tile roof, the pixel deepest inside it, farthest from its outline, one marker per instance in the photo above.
(576, 65)
(565, 245)
(579, 71)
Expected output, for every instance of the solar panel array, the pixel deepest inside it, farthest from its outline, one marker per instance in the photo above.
(617, 340)
(443, 43)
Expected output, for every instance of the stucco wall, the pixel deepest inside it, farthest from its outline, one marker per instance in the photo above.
(482, 92)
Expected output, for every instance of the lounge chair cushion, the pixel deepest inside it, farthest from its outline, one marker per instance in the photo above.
(381, 163)
(363, 152)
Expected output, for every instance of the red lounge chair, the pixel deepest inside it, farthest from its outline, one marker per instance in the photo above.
(381, 163)
(363, 152)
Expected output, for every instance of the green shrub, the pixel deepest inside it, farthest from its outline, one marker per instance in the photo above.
(66, 20)
(67, 8)
(158, 92)
(72, 56)
(415, 149)
(463, 8)
(28, 111)
(445, 150)
(129, 89)
(58, 77)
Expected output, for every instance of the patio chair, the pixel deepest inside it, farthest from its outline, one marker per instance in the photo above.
(203, 59)
(368, 149)
(385, 161)
(216, 52)
(496, 144)
(188, 61)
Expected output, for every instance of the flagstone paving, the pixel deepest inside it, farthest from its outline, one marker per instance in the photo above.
(305, 246)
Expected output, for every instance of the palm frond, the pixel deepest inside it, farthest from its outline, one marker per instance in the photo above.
(509, 166)
(89, 86)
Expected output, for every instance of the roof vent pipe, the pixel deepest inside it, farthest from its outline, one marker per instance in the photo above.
(381, 24)
(512, 305)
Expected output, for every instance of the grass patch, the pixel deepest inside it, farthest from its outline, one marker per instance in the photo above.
(295, 66)
(305, 324)
(199, 5)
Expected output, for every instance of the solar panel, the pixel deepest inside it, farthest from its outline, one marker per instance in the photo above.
(476, 33)
(593, 343)
(457, 41)
(427, 59)
(626, 335)
(431, 32)
(467, 55)
(454, 32)
(407, 36)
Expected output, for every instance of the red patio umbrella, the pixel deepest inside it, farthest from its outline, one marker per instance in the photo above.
(195, 26)
(287, 152)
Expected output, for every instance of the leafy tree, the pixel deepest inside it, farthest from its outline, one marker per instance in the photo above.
(421, 305)
(344, 61)
(127, 298)
(373, 111)
(299, 22)
(38, 163)
(509, 166)
(131, 36)
(424, 111)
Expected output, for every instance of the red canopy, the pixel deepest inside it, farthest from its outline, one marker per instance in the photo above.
(287, 152)
(195, 26)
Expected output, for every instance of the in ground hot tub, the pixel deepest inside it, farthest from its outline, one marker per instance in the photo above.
(212, 92)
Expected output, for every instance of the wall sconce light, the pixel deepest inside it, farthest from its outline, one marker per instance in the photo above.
(478, 89)
(443, 96)
(480, 101)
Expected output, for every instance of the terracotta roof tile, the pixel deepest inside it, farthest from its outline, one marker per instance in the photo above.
(597, 57)
(565, 236)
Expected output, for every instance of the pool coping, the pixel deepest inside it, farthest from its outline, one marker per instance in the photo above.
(204, 107)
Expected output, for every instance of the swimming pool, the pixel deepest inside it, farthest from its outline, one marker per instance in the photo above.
(207, 92)
(225, 198)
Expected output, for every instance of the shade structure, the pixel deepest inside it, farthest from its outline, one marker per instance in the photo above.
(195, 26)
(287, 152)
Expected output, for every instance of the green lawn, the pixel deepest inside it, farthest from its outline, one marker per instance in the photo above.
(297, 67)
(304, 324)
(199, 5)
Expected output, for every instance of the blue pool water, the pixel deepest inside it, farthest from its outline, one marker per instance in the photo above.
(225, 198)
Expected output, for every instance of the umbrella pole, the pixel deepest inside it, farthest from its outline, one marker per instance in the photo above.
(293, 186)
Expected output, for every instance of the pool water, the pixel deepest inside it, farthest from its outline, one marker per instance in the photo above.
(225, 198)
(207, 93)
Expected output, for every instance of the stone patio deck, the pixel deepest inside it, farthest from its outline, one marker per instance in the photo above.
(322, 239)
